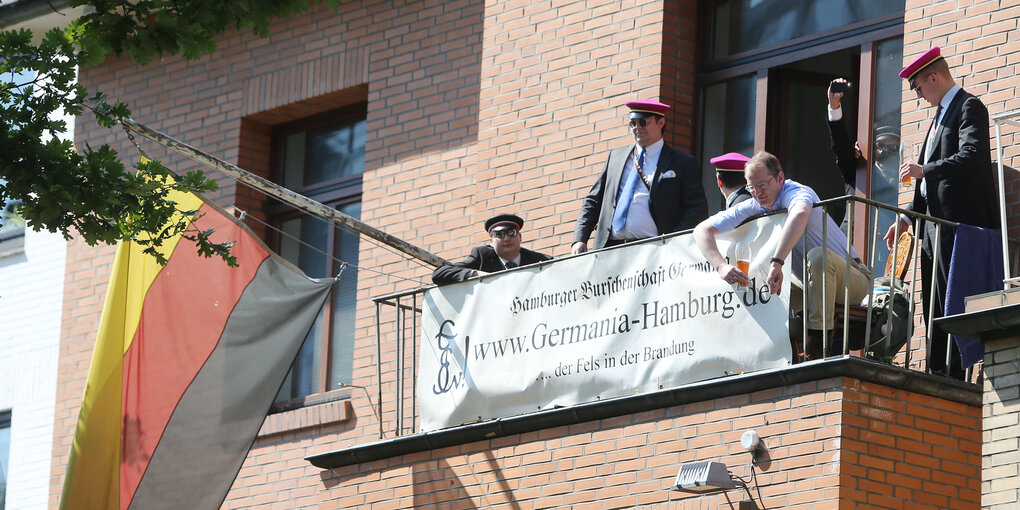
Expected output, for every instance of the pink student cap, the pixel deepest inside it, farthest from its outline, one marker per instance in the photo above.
(642, 108)
(926, 59)
(730, 162)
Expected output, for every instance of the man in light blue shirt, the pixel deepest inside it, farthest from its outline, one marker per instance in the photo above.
(771, 192)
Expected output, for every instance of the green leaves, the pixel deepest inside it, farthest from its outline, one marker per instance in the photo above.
(88, 191)
(149, 29)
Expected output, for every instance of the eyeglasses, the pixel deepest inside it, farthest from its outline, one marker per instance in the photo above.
(500, 234)
(637, 122)
(755, 187)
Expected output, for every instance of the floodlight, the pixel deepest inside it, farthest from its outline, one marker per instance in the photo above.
(704, 477)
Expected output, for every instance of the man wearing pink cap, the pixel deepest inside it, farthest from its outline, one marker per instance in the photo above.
(645, 190)
(729, 175)
(954, 181)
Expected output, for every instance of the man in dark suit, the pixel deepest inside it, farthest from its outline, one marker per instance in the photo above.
(503, 252)
(729, 175)
(645, 190)
(956, 183)
(884, 172)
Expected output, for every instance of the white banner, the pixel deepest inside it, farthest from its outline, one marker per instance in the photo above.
(618, 322)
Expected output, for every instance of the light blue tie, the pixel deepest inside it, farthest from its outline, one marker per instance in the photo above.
(627, 194)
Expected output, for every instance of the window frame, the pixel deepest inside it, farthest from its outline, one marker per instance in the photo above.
(761, 61)
(336, 193)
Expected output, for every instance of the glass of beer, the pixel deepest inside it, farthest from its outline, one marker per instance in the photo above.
(742, 252)
(907, 155)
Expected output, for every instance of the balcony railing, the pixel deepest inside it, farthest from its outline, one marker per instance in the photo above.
(398, 315)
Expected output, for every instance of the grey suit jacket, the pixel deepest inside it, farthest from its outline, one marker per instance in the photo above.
(676, 198)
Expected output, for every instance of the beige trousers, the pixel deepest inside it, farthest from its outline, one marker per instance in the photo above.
(834, 271)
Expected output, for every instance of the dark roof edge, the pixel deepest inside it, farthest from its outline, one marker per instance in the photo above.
(24, 10)
(843, 366)
(983, 323)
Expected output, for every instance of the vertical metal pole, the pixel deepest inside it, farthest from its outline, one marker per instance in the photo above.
(399, 380)
(1002, 204)
(378, 364)
(414, 358)
(846, 278)
(931, 295)
(825, 276)
(803, 294)
(871, 287)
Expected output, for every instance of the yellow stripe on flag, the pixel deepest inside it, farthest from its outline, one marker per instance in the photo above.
(93, 471)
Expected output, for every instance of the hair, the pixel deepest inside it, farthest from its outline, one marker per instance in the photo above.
(763, 158)
(732, 179)
(939, 67)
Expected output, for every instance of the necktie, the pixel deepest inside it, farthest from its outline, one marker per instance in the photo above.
(510, 264)
(627, 194)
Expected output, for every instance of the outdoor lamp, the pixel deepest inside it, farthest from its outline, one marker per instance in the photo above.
(705, 477)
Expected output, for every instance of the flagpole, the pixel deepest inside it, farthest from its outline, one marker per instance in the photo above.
(283, 194)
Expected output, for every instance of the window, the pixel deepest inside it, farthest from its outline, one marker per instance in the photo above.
(5, 450)
(12, 229)
(728, 127)
(774, 59)
(884, 178)
(740, 26)
(322, 158)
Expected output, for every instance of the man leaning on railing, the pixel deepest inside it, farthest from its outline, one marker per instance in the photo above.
(771, 192)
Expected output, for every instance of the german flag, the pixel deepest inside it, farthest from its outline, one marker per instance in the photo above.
(188, 359)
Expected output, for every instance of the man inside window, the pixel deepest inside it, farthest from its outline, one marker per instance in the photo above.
(771, 192)
(503, 252)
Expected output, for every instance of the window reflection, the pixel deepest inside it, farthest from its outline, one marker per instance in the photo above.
(728, 127)
(885, 133)
(744, 25)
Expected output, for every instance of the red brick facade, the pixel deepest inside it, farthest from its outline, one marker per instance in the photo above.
(475, 107)
(834, 443)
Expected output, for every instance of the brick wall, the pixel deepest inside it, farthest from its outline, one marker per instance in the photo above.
(471, 109)
(1000, 478)
(834, 443)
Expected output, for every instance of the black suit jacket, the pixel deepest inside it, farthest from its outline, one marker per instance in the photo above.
(738, 197)
(677, 201)
(959, 175)
(846, 161)
(482, 258)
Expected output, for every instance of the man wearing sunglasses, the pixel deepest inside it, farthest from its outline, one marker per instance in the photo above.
(645, 189)
(503, 252)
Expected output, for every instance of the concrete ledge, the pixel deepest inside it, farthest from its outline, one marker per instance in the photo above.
(843, 366)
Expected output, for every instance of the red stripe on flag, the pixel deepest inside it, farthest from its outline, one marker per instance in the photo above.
(182, 318)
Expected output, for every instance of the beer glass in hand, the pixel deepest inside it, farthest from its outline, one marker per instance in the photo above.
(907, 155)
(743, 255)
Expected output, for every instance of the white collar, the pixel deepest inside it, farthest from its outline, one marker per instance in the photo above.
(653, 150)
(948, 98)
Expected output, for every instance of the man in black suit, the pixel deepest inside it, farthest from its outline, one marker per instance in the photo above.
(956, 183)
(503, 252)
(645, 190)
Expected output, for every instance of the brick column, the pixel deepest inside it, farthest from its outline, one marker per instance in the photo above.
(1000, 464)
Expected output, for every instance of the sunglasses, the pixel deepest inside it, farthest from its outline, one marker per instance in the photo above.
(500, 234)
(638, 122)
